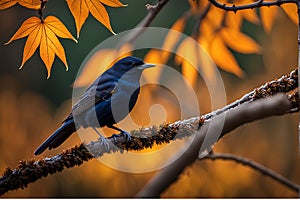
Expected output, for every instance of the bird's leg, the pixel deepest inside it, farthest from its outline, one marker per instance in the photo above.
(124, 133)
(102, 139)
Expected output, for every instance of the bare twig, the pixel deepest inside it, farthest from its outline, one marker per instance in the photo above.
(257, 4)
(256, 166)
(139, 29)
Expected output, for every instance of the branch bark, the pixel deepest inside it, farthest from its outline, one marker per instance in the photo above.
(235, 117)
(30, 171)
(257, 4)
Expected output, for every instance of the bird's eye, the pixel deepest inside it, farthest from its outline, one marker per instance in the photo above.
(133, 64)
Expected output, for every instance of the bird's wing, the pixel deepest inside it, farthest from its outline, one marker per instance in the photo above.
(96, 93)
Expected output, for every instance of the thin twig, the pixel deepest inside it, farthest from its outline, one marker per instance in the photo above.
(257, 4)
(139, 29)
(256, 166)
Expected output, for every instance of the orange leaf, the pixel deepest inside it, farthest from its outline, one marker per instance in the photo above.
(172, 38)
(268, 15)
(113, 3)
(223, 57)
(216, 16)
(195, 59)
(31, 4)
(99, 12)
(153, 56)
(26, 28)
(80, 10)
(58, 28)
(189, 72)
(250, 15)
(32, 43)
(7, 3)
(239, 41)
(187, 56)
(234, 20)
(291, 10)
(43, 33)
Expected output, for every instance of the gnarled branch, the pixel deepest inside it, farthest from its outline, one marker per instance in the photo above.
(30, 171)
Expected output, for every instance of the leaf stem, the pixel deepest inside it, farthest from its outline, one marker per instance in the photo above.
(41, 9)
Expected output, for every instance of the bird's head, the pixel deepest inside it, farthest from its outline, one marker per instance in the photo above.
(130, 65)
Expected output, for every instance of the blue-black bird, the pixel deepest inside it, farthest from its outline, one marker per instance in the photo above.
(107, 101)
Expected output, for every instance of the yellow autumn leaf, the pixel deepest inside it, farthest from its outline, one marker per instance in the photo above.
(189, 72)
(291, 10)
(112, 3)
(268, 15)
(239, 42)
(153, 56)
(44, 34)
(7, 3)
(215, 16)
(31, 4)
(250, 15)
(80, 10)
(160, 56)
(198, 6)
(234, 20)
(194, 59)
(223, 57)
(187, 56)
(172, 38)
(98, 11)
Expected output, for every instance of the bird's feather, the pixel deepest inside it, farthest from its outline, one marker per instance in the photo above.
(100, 90)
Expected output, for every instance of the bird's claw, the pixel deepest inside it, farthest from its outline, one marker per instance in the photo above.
(104, 142)
(124, 133)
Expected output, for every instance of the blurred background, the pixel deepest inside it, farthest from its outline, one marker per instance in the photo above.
(32, 107)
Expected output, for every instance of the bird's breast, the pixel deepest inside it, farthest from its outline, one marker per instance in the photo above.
(124, 99)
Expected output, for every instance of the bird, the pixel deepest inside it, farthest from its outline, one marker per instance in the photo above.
(103, 103)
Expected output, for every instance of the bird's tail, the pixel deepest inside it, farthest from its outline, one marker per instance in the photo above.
(58, 137)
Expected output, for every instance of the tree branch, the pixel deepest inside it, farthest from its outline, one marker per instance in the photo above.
(256, 166)
(257, 4)
(30, 171)
(139, 29)
(235, 117)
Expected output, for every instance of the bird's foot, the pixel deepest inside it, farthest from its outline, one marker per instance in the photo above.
(104, 142)
(124, 133)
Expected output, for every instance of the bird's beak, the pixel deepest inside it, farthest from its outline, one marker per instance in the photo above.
(145, 66)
